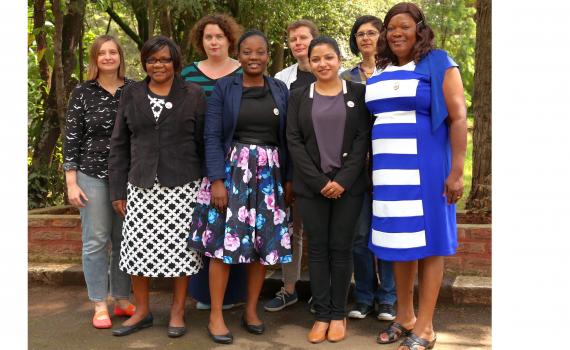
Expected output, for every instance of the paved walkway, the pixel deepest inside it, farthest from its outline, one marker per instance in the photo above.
(60, 318)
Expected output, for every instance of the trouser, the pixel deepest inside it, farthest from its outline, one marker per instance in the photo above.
(292, 271)
(366, 288)
(100, 225)
(330, 232)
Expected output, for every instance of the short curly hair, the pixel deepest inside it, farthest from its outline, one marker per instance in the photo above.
(232, 30)
(424, 35)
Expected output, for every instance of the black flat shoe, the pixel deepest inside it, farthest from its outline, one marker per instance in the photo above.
(252, 328)
(175, 332)
(126, 330)
(221, 339)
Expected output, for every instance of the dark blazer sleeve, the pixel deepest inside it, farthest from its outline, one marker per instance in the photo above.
(353, 165)
(312, 176)
(120, 152)
(289, 161)
(213, 133)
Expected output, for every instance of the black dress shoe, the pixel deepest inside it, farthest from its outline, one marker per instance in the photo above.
(175, 332)
(221, 339)
(126, 330)
(252, 328)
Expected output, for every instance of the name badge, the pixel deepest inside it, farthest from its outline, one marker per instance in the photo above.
(350, 104)
(168, 105)
(275, 111)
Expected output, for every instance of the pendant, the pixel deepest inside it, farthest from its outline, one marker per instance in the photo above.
(396, 85)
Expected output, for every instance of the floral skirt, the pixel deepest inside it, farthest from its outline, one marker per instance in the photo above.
(254, 226)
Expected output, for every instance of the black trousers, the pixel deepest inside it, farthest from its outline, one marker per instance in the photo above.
(329, 225)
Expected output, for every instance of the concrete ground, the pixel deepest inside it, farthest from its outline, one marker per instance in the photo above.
(59, 317)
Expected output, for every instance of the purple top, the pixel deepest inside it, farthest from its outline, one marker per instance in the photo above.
(329, 117)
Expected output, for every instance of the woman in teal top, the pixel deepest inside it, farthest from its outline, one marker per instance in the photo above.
(215, 37)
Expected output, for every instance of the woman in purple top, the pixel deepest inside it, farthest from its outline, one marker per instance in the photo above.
(328, 135)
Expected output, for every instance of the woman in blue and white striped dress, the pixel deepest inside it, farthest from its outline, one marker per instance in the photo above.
(418, 144)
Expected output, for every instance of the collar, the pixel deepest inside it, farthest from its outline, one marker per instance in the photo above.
(312, 88)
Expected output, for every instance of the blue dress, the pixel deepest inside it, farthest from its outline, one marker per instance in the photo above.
(411, 160)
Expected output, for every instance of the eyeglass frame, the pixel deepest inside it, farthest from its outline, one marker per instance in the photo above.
(369, 34)
(155, 61)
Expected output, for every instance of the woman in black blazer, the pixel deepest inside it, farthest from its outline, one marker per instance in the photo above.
(328, 136)
(154, 173)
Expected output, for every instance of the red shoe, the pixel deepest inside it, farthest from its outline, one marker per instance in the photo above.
(102, 320)
(129, 311)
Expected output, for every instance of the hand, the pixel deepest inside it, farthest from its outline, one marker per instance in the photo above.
(332, 190)
(120, 207)
(75, 195)
(289, 195)
(219, 195)
(453, 188)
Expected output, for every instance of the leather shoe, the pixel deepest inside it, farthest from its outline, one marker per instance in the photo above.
(175, 332)
(337, 330)
(126, 330)
(318, 333)
(252, 328)
(221, 339)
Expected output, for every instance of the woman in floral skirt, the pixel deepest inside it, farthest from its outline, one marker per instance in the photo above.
(240, 216)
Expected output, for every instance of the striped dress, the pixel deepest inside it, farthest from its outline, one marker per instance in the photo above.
(410, 216)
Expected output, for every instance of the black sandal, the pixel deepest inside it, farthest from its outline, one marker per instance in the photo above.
(395, 331)
(413, 341)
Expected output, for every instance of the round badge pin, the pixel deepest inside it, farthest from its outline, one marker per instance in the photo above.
(275, 111)
(168, 105)
(350, 104)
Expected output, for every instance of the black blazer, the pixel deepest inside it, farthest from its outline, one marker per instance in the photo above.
(171, 148)
(308, 177)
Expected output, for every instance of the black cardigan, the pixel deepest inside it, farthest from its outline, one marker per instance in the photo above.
(170, 148)
(308, 177)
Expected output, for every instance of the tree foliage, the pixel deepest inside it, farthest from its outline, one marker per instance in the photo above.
(134, 21)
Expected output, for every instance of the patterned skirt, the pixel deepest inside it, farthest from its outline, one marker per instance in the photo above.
(254, 226)
(155, 231)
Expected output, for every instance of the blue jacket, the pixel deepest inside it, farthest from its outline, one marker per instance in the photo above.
(221, 120)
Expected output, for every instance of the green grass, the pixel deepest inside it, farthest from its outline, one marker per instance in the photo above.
(468, 167)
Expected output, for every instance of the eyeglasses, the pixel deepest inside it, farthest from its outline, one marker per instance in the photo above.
(370, 34)
(153, 60)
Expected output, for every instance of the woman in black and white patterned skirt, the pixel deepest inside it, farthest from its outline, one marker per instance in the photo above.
(155, 171)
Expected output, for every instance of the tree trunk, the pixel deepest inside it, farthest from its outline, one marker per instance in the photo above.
(51, 127)
(480, 196)
(277, 55)
(58, 64)
(165, 21)
(39, 22)
(150, 16)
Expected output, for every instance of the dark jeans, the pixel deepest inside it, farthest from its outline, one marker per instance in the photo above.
(329, 224)
(366, 287)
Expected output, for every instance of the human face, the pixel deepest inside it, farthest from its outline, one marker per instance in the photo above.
(367, 43)
(324, 62)
(108, 57)
(253, 55)
(401, 36)
(298, 41)
(159, 72)
(215, 42)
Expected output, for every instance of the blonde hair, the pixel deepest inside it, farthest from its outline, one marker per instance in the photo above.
(92, 69)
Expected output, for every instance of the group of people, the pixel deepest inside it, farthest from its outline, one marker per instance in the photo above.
(215, 170)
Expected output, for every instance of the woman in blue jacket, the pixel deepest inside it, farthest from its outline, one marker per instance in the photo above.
(240, 216)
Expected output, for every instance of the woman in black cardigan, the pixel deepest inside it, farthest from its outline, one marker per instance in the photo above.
(328, 137)
(154, 174)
